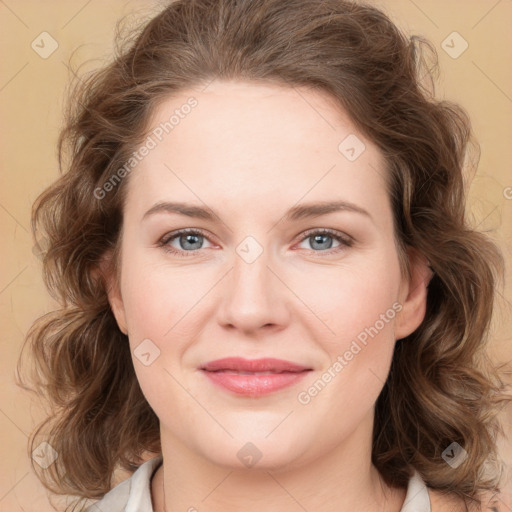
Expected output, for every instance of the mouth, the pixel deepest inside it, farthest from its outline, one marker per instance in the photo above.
(255, 377)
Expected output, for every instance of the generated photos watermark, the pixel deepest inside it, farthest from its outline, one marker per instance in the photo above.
(305, 397)
(151, 142)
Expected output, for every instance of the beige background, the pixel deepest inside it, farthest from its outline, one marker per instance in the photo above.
(31, 93)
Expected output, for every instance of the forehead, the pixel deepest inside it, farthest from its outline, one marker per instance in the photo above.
(249, 143)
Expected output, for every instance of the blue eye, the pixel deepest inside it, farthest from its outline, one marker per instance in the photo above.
(188, 239)
(191, 240)
(320, 240)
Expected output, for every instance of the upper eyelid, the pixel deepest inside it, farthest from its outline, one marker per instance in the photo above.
(326, 231)
(185, 231)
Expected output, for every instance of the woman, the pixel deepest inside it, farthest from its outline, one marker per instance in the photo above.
(208, 342)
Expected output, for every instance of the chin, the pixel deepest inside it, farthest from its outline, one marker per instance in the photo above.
(254, 453)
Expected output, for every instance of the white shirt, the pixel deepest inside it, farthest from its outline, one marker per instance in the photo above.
(134, 494)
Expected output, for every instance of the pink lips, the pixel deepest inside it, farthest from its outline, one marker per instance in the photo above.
(253, 377)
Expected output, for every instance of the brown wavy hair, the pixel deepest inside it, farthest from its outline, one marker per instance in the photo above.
(442, 386)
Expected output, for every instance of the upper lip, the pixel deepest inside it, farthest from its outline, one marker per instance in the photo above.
(253, 365)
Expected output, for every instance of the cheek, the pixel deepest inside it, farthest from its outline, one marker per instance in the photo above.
(354, 298)
(159, 298)
(358, 307)
(159, 306)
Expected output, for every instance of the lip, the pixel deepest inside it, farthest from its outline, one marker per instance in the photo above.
(267, 364)
(253, 377)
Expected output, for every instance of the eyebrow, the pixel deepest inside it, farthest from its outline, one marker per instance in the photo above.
(308, 210)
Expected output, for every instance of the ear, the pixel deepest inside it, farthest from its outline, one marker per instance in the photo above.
(107, 270)
(413, 294)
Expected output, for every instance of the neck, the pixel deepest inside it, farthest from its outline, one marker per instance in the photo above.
(342, 479)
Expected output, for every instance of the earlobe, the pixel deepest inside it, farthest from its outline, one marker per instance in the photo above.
(414, 294)
(107, 270)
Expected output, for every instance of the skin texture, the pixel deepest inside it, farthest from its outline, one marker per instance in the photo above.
(250, 152)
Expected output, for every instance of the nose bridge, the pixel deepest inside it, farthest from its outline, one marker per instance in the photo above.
(252, 299)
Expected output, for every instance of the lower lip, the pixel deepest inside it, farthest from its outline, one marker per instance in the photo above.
(254, 385)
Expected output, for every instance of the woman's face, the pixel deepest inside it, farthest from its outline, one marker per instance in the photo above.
(258, 279)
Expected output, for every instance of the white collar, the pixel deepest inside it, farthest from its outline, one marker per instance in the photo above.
(136, 492)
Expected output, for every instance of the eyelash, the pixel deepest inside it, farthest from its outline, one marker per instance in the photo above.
(344, 240)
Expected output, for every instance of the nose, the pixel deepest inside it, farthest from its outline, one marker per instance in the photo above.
(254, 296)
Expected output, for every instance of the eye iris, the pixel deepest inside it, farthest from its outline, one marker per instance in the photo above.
(319, 239)
(187, 238)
